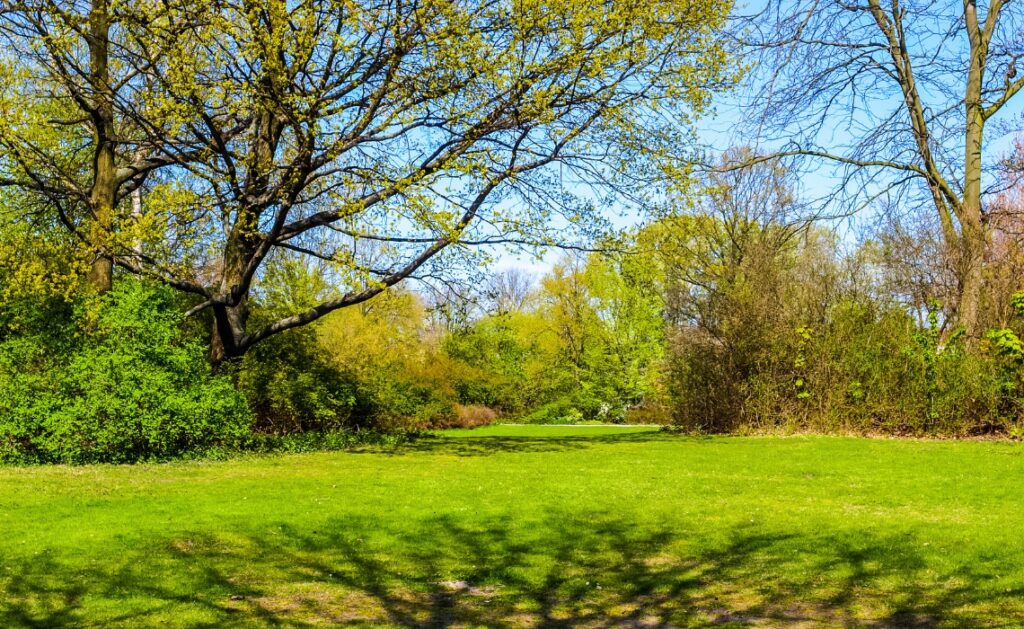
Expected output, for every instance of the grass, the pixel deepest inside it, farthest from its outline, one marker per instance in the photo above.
(528, 526)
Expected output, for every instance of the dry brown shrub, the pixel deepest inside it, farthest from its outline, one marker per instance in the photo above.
(471, 416)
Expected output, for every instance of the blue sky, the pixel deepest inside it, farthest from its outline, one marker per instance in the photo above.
(723, 129)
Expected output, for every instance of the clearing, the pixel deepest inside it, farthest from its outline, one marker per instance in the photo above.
(528, 526)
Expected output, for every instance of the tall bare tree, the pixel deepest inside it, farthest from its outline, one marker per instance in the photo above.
(509, 290)
(899, 95)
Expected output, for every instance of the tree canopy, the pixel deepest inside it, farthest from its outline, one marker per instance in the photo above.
(374, 135)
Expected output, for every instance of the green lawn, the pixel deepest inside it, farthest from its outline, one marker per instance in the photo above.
(528, 526)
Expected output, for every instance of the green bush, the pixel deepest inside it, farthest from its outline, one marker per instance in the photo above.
(113, 380)
(488, 360)
(295, 385)
(395, 401)
(293, 388)
(586, 404)
(557, 412)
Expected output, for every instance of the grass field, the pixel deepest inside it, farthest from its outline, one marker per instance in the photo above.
(528, 526)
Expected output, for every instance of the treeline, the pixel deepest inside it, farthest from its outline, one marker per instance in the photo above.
(746, 314)
(224, 228)
(126, 376)
(753, 314)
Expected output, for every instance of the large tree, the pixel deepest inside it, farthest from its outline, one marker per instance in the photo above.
(898, 94)
(376, 135)
(80, 135)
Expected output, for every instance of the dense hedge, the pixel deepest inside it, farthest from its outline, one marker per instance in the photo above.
(125, 377)
(113, 379)
(858, 371)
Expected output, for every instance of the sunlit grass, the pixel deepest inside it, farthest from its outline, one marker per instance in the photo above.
(528, 526)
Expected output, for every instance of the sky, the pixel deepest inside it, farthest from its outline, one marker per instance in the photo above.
(722, 129)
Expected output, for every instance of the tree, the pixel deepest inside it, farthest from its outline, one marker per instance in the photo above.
(630, 309)
(733, 274)
(381, 136)
(567, 304)
(81, 132)
(899, 95)
(509, 290)
(746, 219)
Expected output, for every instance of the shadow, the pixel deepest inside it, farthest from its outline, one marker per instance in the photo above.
(486, 445)
(570, 570)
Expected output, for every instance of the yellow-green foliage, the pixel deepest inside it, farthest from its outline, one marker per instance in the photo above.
(370, 135)
(586, 344)
(37, 260)
(374, 365)
(386, 345)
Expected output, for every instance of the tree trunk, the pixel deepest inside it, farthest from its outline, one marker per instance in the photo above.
(102, 197)
(973, 243)
(231, 318)
(972, 233)
(971, 283)
(229, 322)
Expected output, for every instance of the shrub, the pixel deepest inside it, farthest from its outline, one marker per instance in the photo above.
(487, 363)
(117, 380)
(473, 416)
(293, 387)
(862, 369)
(561, 411)
(296, 383)
(653, 412)
(399, 401)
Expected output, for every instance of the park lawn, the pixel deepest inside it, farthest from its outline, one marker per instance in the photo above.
(528, 526)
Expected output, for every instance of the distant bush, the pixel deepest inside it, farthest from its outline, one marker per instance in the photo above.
(558, 412)
(472, 416)
(112, 380)
(655, 413)
(393, 400)
(487, 363)
(295, 385)
(567, 410)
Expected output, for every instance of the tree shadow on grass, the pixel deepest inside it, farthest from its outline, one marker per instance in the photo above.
(568, 571)
(486, 445)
